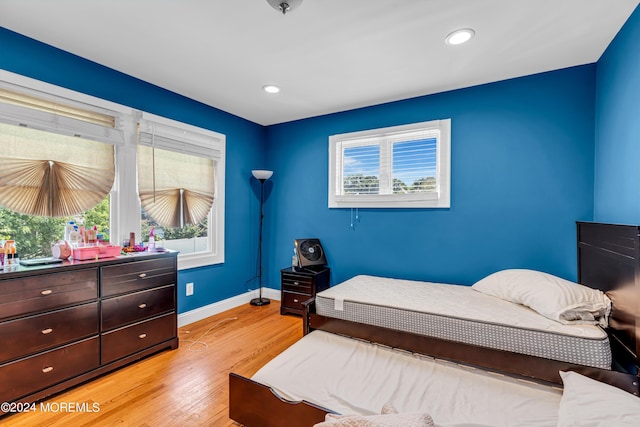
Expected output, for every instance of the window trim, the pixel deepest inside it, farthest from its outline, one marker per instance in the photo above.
(125, 204)
(439, 199)
(209, 144)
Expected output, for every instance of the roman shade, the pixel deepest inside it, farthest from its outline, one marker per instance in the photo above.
(36, 110)
(47, 174)
(176, 175)
(57, 156)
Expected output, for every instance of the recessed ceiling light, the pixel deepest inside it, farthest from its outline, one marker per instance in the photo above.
(271, 88)
(460, 36)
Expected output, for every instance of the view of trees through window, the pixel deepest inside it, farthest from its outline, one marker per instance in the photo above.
(34, 235)
(412, 167)
(187, 239)
(361, 184)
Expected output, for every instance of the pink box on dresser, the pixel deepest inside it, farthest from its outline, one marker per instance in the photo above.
(109, 251)
(85, 253)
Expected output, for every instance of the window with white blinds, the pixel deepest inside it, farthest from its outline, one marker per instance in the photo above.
(401, 166)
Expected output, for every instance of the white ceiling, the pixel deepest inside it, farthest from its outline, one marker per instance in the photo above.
(328, 55)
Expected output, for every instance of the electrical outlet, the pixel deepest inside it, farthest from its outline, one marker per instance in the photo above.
(189, 289)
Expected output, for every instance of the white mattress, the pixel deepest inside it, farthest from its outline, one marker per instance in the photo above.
(462, 314)
(348, 376)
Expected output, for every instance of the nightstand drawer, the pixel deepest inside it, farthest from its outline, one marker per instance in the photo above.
(300, 279)
(120, 311)
(296, 284)
(294, 300)
(36, 333)
(38, 372)
(123, 342)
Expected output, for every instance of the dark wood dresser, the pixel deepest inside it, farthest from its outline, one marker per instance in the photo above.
(300, 285)
(65, 324)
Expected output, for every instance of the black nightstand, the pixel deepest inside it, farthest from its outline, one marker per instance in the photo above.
(299, 286)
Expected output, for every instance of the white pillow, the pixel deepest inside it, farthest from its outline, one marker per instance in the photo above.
(586, 402)
(555, 298)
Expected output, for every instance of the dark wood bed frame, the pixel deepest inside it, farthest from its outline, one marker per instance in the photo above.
(608, 259)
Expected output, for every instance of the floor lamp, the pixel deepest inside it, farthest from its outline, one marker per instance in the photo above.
(262, 176)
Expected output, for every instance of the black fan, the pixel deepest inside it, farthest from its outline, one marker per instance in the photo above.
(310, 252)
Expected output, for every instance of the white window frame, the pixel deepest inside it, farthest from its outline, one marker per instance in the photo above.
(197, 141)
(440, 198)
(125, 204)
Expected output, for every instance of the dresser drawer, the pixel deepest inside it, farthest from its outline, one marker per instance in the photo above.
(126, 341)
(34, 373)
(294, 299)
(130, 308)
(297, 283)
(29, 335)
(138, 275)
(48, 291)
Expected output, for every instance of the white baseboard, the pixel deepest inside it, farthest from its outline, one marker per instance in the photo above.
(200, 313)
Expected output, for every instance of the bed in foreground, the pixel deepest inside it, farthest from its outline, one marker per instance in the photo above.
(608, 260)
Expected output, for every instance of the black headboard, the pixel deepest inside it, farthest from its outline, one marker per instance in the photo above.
(609, 260)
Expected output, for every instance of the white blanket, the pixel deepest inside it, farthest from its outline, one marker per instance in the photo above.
(354, 377)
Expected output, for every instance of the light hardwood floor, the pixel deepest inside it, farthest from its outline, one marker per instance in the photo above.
(184, 387)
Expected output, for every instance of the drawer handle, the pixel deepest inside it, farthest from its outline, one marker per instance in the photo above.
(47, 292)
(47, 331)
(295, 300)
(143, 305)
(142, 336)
(296, 283)
(47, 369)
(142, 275)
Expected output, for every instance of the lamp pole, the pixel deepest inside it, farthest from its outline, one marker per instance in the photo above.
(261, 176)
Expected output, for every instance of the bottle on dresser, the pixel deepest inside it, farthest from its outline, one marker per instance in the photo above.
(75, 238)
(151, 247)
(68, 229)
(11, 259)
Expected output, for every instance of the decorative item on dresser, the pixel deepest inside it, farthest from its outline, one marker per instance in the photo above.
(63, 325)
(300, 285)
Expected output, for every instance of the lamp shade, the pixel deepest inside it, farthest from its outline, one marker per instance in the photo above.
(261, 174)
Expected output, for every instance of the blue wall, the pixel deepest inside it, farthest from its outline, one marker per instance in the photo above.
(522, 174)
(245, 151)
(522, 171)
(617, 159)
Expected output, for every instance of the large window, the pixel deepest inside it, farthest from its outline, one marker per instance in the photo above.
(68, 156)
(401, 166)
(179, 167)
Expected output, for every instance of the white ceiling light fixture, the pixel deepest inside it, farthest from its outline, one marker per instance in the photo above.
(460, 36)
(284, 6)
(271, 88)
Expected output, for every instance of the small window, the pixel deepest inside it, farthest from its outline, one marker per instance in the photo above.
(396, 167)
